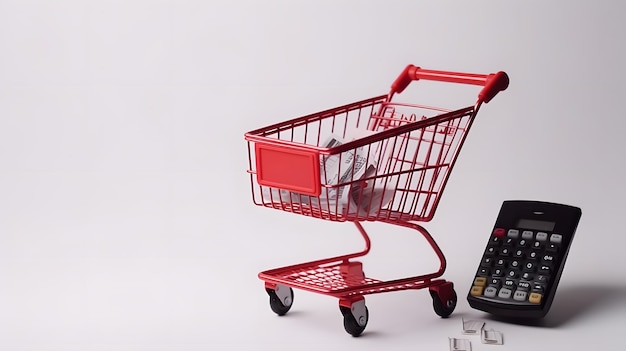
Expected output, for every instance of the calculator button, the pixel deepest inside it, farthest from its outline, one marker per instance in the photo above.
(537, 245)
(527, 234)
(527, 276)
(491, 291)
(542, 279)
(483, 271)
(495, 241)
(486, 262)
(490, 251)
(535, 298)
(496, 282)
(544, 269)
(480, 281)
(556, 238)
(547, 259)
(498, 272)
(523, 285)
(505, 251)
(533, 255)
(530, 266)
(518, 253)
(500, 262)
(499, 232)
(538, 288)
(512, 274)
(509, 283)
(513, 233)
(515, 264)
(552, 248)
(504, 293)
(542, 236)
(477, 290)
(520, 295)
(509, 241)
(522, 243)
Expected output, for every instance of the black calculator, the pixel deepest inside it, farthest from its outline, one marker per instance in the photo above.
(522, 264)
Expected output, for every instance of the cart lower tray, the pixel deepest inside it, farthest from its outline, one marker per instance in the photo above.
(340, 279)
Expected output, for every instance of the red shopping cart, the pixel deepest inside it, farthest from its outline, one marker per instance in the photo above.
(371, 160)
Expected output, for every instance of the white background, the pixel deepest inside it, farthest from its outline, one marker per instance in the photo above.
(125, 216)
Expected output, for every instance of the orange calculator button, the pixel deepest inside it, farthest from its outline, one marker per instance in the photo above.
(480, 281)
(535, 298)
(477, 290)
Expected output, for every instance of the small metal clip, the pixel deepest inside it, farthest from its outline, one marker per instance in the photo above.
(472, 327)
(492, 337)
(460, 344)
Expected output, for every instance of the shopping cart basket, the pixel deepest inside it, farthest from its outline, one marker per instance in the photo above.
(372, 160)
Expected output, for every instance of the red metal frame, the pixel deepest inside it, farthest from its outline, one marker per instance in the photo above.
(414, 147)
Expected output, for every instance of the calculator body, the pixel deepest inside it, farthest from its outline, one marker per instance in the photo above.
(522, 264)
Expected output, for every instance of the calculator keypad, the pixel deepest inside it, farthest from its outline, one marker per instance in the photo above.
(517, 266)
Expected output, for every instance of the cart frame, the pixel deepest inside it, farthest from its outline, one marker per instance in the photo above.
(412, 157)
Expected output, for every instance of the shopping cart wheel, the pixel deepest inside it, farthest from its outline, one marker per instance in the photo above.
(355, 318)
(444, 300)
(281, 299)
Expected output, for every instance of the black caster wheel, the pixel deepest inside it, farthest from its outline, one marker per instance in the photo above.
(443, 308)
(281, 299)
(353, 326)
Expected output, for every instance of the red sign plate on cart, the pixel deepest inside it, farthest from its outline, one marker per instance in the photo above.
(292, 169)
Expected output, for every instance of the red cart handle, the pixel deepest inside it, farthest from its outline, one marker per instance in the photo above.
(493, 83)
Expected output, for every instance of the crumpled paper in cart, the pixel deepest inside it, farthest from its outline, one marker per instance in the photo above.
(364, 198)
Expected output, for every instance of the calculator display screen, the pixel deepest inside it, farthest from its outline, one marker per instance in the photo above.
(535, 225)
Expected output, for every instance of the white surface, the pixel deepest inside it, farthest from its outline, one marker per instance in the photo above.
(125, 218)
